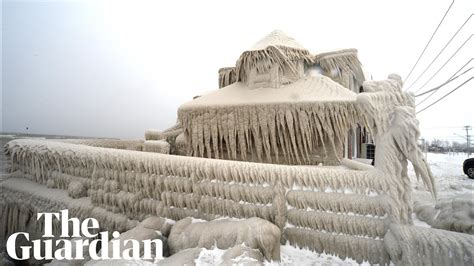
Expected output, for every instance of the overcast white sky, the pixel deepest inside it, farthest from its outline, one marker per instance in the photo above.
(117, 68)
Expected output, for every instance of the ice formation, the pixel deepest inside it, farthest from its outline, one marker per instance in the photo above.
(454, 214)
(163, 135)
(227, 76)
(138, 184)
(254, 233)
(242, 255)
(159, 146)
(411, 245)
(134, 145)
(151, 228)
(363, 212)
(303, 122)
(184, 257)
(343, 66)
(300, 123)
(276, 49)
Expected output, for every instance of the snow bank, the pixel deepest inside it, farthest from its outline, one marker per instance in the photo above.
(454, 209)
(454, 214)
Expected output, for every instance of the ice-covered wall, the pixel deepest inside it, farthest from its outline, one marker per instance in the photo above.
(300, 200)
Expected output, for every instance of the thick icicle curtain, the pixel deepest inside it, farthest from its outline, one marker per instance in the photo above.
(226, 76)
(273, 133)
(289, 125)
(282, 56)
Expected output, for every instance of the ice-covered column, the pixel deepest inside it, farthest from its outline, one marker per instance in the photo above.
(389, 114)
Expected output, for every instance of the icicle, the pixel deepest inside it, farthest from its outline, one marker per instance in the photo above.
(360, 249)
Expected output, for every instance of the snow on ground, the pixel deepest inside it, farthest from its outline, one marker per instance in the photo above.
(454, 207)
(449, 177)
(289, 256)
(210, 257)
(294, 256)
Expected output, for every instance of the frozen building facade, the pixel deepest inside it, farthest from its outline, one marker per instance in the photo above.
(279, 104)
(254, 148)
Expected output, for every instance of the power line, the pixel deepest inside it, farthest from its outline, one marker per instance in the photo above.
(446, 95)
(445, 63)
(459, 136)
(459, 70)
(446, 82)
(437, 89)
(440, 52)
(432, 35)
(434, 90)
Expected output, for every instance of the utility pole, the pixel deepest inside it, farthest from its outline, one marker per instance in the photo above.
(468, 140)
(424, 147)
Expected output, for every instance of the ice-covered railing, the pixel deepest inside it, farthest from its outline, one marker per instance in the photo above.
(21, 200)
(412, 245)
(323, 204)
(135, 145)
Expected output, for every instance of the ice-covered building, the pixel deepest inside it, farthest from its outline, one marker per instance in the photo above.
(279, 104)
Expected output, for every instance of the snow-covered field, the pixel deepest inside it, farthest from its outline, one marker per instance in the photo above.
(449, 177)
(454, 207)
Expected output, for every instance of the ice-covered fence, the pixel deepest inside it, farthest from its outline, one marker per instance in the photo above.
(350, 225)
(167, 134)
(134, 145)
(158, 146)
(412, 245)
(316, 207)
(21, 200)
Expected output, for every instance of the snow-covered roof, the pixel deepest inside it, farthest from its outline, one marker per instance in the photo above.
(310, 89)
(276, 38)
(335, 53)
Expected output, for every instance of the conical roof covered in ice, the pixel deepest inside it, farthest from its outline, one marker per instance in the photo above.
(277, 38)
(310, 89)
(275, 49)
